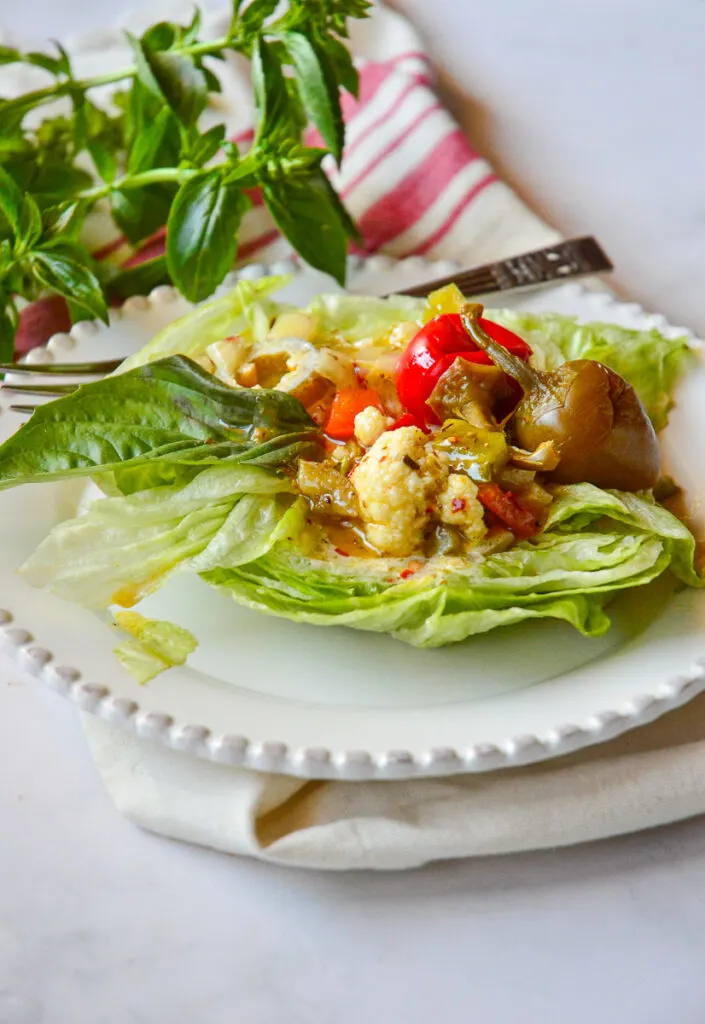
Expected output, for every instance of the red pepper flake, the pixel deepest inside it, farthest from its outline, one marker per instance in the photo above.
(339, 551)
(411, 568)
(430, 510)
(383, 459)
(458, 504)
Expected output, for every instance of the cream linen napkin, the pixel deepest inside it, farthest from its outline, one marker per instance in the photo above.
(414, 186)
(651, 776)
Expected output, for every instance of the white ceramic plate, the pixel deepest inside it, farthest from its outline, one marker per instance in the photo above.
(326, 703)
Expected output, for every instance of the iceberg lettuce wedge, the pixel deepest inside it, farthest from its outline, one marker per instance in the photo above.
(595, 544)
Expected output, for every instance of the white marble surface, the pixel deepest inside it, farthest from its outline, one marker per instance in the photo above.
(594, 109)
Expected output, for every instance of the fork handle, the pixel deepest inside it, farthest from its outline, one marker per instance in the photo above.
(575, 257)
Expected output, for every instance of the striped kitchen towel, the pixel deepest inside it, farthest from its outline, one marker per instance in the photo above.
(410, 178)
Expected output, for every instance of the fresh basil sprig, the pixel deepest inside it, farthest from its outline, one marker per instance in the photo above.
(164, 415)
(154, 165)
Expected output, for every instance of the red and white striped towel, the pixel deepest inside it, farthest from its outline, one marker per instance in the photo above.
(409, 176)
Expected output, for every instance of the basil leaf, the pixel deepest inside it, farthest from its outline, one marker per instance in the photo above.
(172, 78)
(66, 219)
(56, 179)
(30, 223)
(189, 35)
(304, 212)
(104, 160)
(9, 55)
(156, 144)
(202, 233)
(8, 328)
(139, 213)
(251, 20)
(171, 410)
(318, 90)
(182, 84)
(138, 280)
(205, 146)
(10, 200)
(160, 36)
(341, 62)
(272, 100)
(212, 81)
(54, 65)
(69, 278)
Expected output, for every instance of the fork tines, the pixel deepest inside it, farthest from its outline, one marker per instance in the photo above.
(573, 258)
(77, 369)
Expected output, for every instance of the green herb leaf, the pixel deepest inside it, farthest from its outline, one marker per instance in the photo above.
(318, 89)
(171, 410)
(54, 65)
(174, 79)
(139, 213)
(138, 280)
(205, 146)
(190, 34)
(342, 65)
(160, 36)
(202, 233)
(272, 99)
(8, 327)
(10, 201)
(56, 179)
(306, 215)
(66, 219)
(151, 142)
(9, 55)
(65, 275)
(250, 21)
(104, 160)
(30, 223)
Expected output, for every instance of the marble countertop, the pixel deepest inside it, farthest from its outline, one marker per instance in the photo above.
(592, 111)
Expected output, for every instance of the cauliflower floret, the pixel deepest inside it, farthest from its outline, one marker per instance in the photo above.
(396, 482)
(370, 423)
(458, 505)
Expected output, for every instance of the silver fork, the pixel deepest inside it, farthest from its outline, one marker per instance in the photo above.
(573, 258)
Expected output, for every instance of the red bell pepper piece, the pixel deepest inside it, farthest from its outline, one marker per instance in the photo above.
(434, 349)
(346, 405)
(506, 508)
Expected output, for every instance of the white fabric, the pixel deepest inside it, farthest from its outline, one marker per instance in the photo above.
(653, 775)
(649, 777)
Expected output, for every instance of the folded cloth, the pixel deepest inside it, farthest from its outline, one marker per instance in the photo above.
(415, 186)
(653, 775)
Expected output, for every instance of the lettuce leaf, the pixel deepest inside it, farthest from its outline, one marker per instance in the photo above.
(123, 548)
(245, 309)
(362, 317)
(155, 647)
(651, 362)
(596, 543)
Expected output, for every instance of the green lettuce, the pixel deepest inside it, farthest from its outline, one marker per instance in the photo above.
(246, 309)
(595, 544)
(123, 548)
(362, 317)
(651, 362)
(197, 471)
(155, 647)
